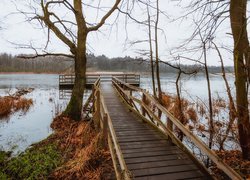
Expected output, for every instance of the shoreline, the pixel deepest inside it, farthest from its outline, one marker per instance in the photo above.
(29, 73)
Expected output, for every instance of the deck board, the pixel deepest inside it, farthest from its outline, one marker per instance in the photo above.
(147, 154)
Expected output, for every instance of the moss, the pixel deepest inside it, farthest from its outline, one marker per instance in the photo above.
(72, 109)
(35, 163)
(4, 176)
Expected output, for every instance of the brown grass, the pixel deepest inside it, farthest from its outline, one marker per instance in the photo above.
(192, 114)
(234, 159)
(5, 106)
(79, 143)
(22, 104)
(220, 103)
(201, 109)
(9, 104)
(172, 103)
(201, 128)
(167, 100)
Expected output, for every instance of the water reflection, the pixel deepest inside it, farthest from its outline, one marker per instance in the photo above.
(20, 130)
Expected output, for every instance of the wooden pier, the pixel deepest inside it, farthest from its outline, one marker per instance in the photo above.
(66, 81)
(141, 145)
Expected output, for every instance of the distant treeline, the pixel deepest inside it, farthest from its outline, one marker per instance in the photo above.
(130, 64)
(51, 64)
(9, 63)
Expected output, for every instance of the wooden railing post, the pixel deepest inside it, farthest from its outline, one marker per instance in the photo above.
(105, 127)
(143, 110)
(169, 126)
(96, 116)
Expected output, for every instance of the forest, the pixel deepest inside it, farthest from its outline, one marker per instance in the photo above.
(10, 63)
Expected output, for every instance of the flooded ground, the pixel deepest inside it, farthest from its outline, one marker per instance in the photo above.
(21, 130)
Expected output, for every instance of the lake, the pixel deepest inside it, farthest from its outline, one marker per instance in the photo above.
(20, 130)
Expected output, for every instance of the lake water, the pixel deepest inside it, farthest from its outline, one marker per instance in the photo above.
(192, 87)
(21, 130)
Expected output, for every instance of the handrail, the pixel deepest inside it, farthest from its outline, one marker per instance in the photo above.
(201, 145)
(101, 115)
(90, 98)
(91, 78)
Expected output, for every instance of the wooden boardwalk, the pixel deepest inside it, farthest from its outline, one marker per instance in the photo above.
(147, 153)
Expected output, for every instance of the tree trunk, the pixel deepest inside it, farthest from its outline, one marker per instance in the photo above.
(157, 58)
(151, 53)
(179, 105)
(241, 46)
(74, 108)
(232, 109)
(211, 121)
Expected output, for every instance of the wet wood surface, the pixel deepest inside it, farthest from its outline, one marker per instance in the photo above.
(148, 155)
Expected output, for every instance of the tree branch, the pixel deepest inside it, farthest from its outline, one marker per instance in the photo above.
(105, 17)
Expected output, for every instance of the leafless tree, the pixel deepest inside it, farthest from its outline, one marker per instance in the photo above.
(238, 19)
(73, 33)
(151, 51)
(232, 108)
(209, 15)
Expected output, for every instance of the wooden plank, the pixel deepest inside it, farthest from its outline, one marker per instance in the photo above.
(132, 145)
(145, 152)
(155, 158)
(150, 149)
(164, 170)
(150, 154)
(127, 129)
(138, 140)
(132, 133)
(139, 137)
(156, 164)
(175, 176)
(146, 144)
(128, 126)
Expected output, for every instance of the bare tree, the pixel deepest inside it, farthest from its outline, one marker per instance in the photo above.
(157, 54)
(151, 52)
(238, 21)
(74, 38)
(209, 15)
(232, 109)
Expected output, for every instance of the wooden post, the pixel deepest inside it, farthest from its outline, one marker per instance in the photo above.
(97, 116)
(114, 158)
(105, 128)
(94, 99)
(143, 110)
(169, 126)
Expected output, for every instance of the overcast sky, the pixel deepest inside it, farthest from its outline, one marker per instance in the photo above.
(111, 42)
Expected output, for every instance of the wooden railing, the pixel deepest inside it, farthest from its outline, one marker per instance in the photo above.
(66, 79)
(128, 78)
(103, 122)
(144, 109)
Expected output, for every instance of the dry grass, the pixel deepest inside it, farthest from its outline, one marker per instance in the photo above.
(220, 103)
(167, 100)
(234, 159)
(79, 143)
(22, 104)
(9, 104)
(5, 106)
(192, 114)
(201, 109)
